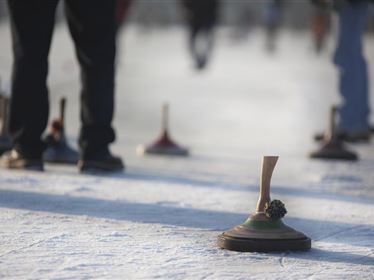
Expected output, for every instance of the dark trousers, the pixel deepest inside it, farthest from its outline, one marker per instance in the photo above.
(92, 27)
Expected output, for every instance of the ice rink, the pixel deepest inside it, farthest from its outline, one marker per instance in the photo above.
(161, 218)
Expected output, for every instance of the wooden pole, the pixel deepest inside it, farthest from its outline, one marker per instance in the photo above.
(4, 111)
(62, 110)
(165, 117)
(332, 128)
(268, 165)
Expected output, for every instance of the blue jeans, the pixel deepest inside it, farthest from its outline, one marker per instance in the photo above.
(349, 58)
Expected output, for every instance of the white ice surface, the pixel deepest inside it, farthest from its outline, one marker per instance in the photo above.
(160, 219)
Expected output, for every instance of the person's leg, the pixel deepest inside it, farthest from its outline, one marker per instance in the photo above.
(201, 42)
(349, 57)
(92, 24)
(194, 35)
(203, 46)
(32, 24)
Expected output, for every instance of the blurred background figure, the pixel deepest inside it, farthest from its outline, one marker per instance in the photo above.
(354, 113)
(201, 18)
(272, 22)
(350, 60)
(244, 21)
(320, 25)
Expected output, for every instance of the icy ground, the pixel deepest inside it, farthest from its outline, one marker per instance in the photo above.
(160, 219)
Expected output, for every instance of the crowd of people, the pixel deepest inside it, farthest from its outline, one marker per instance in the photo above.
(93, 25)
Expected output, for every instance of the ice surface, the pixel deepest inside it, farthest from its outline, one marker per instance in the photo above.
(161, 218)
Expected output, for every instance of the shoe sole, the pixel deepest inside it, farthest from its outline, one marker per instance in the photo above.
(23, 165)
(98, 167)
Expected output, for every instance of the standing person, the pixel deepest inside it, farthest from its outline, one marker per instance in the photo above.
(353, 73)
(201, 17)
(92, 25)
(354, 82)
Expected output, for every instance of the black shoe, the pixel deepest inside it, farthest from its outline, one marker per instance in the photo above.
(103, 162)
(201, 63)
(13, 159)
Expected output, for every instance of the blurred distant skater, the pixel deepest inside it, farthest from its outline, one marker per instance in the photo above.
(244, 21)
(320, 26)
(92, 25)
(353, 80)
(272, 21)
(201, 18)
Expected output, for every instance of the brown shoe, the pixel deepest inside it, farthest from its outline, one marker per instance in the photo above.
(13, 159)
